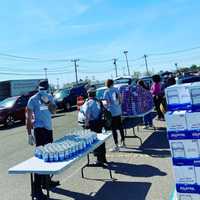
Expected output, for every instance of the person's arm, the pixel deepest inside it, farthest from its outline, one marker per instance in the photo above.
(106, 98)
(152, 89)
(48, 100)
(29, 125)
(87, 115)
(52, 107)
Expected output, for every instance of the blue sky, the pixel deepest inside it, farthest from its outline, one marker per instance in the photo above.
(95, 30)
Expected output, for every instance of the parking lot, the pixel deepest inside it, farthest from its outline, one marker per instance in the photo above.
(140, 173)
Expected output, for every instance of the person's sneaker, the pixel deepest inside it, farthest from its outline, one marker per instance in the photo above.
(122, 145)
(99, 164)
(114, 149)
(40, 196)
(146, 127)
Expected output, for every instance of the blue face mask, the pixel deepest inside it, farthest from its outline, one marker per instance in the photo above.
(43, 92)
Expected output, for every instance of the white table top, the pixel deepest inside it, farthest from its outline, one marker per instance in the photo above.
(36, 165)
(140, 115)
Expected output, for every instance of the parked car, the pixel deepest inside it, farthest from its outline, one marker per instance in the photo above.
(188, 79)
(67, 97)
(124, 80)
(148, 81)
(12, 109)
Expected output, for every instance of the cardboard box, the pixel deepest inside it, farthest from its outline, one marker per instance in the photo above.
(176, 121)
(178, 94)
(185, 148)
(193, 120)
(184, 171)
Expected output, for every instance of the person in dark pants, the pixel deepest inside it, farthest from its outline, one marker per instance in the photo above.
(39, 110)
(113, 100)
(92, 111)
(156, 91)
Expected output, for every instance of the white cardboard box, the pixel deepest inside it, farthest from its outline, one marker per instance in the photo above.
(187, 196)
(193, 120)
(176, 121)
(178, 94)
(185, 174)
(185, 148)
(194, 89)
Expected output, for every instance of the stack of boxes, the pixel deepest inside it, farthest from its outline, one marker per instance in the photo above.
(135, 100)
(183, 126)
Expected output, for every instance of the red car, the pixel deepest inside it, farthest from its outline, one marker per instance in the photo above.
(12, 109)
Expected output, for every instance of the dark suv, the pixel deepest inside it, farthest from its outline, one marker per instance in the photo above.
(67, 97)
(13, 109)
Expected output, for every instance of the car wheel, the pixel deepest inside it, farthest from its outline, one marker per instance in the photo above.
(9, 121)
(67, 106)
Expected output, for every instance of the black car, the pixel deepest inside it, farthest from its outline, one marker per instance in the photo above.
(189, 79)
(12, 109)
(67, 97)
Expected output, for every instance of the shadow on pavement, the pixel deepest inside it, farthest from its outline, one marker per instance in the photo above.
(135, 170)
(63, 111)
(156, 145)
(58, 115)
(112, 190)
(157, 140)
(16, 125)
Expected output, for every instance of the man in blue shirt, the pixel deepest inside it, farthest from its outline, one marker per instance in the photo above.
(39, 110)
(113, 104)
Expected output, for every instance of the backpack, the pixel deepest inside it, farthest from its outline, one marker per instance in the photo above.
(106, 117)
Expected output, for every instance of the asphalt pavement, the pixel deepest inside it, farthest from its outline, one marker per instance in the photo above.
(141, 172)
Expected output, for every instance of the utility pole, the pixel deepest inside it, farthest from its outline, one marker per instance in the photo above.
(125, 53)
(146, 64)
(75, 68)
(115, 64)
(45, 73)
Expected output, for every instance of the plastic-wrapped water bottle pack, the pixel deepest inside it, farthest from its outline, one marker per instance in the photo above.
(66, 148)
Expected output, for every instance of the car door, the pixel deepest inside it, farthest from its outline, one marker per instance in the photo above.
(19, 108)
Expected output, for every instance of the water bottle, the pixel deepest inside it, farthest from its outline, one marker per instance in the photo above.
(45, 156)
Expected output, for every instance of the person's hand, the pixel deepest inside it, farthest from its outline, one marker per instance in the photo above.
(31, 140)
(45, 99)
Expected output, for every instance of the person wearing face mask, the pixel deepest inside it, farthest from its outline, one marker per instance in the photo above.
(41, 106)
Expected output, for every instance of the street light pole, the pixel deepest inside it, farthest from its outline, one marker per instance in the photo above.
(125, 53)
(176, 65)
(146, 64)
(115, 64)
(45, 73)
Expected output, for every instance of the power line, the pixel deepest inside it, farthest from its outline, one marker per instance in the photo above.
(174, 52)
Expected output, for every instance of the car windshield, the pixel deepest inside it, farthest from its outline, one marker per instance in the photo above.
(100, 93)
(8, 103)
(62, 93)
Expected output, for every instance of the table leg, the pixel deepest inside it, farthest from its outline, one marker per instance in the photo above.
(82, 169)
(32, 186)
(137, 137)
(47, 179)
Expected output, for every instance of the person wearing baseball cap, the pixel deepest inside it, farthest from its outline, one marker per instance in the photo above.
(92, 112)
(41, 106)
